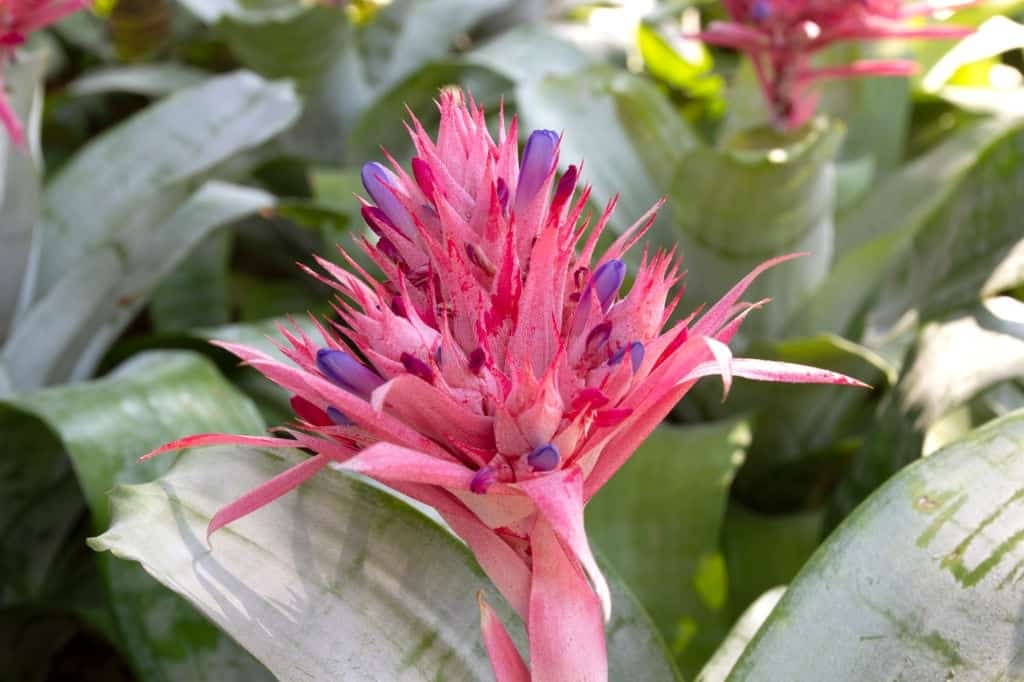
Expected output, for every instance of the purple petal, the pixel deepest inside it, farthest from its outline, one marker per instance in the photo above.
(379, 182)
(538, 162)
(345, 371)
(544, 458)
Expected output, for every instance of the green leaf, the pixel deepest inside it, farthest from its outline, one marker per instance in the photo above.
(103, 427)
(718, 668)
(690, 71)
(528, 53)
(150, 80)
(929, 236)
(787, 186)
(765, 550)
(622, 127)
(66, 333)
(658, 522)
(802, 432)
(105, 196)
(958, 359)
(197, 293)
(335, 577)
(19, 182)
(344, 68)
(921, 582)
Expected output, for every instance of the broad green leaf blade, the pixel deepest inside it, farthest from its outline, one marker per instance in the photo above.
(956, 360)
(196, 294)
(718, 668)
(760, 196)
(765, 550)
(19, 183)
(41, 504)
(528, 53)
(103, 427)
(921, 582)
(623, 129)
(939, 225)
(66, 333)
(338, 580)
(150, 80)
(658, 521)
(88, 204)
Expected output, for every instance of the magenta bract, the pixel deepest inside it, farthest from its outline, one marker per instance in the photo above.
(782, 36)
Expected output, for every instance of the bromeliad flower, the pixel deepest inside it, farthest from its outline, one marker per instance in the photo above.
(499, 373)
(782, 36)
(18, 19)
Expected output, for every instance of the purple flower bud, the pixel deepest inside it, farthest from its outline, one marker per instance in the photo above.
(501, 188)
(413, 365)
(636, 354)
(538, 161)
(607, 280)
(566, 186)
(375, 218)
(598, 336)
(760, 10)
(385, 246)
(345, 371)
(478, 258)
(379, 182)
(483, 479)
(338, 417)
(476, 360)
(544, 458)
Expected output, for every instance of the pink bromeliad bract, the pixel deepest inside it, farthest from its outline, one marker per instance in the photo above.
(500, 373)
(18, 19)
(782, 37)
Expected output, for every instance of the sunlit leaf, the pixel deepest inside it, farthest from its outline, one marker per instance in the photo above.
(103, 427)
(921, 581)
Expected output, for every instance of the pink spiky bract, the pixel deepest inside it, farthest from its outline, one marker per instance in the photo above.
(782, 37)
(18, 19)
(507, 374)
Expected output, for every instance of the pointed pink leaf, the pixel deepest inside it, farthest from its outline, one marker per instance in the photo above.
(503, 566)
(266, 493)
(723, 358)
(713, 319)
(770, 370)
(203, 440)
(389, 462)
(559, 497)
(506, 661)
(565, 625)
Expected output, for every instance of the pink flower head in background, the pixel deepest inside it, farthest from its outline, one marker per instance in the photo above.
(782, 36)
(501, 373)
(18, 19)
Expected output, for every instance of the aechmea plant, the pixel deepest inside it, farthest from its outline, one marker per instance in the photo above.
(782, 37)
(501, 372)
(19, 19)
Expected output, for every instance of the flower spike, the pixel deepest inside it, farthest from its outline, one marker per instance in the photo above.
(782, 37)
(504, 371)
